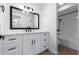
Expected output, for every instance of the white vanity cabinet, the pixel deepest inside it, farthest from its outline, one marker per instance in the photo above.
(31, 47)
(24, 44)
(31, 44)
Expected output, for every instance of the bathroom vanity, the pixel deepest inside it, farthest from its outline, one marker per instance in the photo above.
(30, 43)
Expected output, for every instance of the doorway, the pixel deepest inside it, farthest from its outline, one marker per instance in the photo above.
(67, 29)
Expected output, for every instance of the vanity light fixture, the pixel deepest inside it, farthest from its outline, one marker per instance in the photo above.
(27, 9)
(2, 8)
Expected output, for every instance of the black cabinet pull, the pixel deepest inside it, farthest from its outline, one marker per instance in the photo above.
(32, 42)
(12, 48)
(12, 39)
(45, 46)
(44, 39)
(45, 34)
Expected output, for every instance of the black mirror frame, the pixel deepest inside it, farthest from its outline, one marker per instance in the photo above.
(12, 7)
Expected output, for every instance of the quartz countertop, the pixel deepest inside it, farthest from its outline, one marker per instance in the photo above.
(21, 33)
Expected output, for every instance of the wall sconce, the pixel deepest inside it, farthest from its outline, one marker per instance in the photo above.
(2, 8)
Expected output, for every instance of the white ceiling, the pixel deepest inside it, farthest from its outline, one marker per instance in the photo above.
(65, 6)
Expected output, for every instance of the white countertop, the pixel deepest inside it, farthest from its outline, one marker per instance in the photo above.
(20, 33)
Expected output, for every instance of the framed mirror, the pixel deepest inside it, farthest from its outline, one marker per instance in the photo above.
(20, 20)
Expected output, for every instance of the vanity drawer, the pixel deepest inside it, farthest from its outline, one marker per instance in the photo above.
(44, 40)
(12, 53)
(11, 39)
(31, 36)
(44, 35)
(44, 46)
(11, 49)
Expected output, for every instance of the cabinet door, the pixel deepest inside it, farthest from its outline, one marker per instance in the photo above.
(36, 46)
(27, 47)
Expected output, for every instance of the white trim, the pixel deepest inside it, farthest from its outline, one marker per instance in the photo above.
(54, 52)
(68, 39)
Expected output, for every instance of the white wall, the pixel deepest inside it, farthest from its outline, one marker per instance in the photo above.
(0, 19)
(49, 24)
(47, 21)
(6, 17)
(0, 23)
(78, 28)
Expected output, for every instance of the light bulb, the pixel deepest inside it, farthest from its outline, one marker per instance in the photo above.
(61, 3)
(27, 9)
(23, 11)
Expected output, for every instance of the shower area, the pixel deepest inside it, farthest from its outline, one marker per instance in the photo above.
(67, 29)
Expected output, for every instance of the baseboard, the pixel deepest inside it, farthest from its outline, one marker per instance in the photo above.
(42, 52)
(69, 43)
(54, 52)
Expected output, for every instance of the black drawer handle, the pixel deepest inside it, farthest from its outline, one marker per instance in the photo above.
(45, 46)
(12, 48)
(32, 42)
(12, 39)
(45, 34)
(44, 39)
